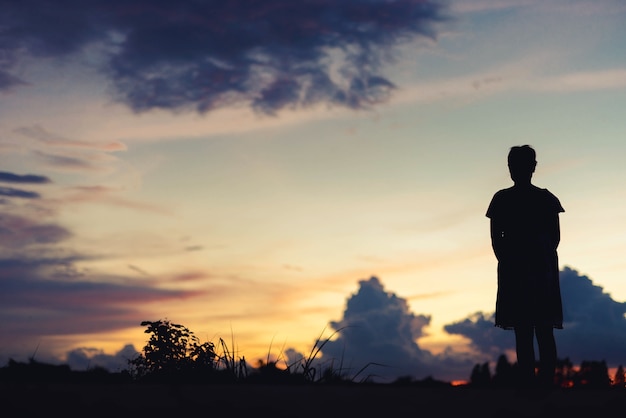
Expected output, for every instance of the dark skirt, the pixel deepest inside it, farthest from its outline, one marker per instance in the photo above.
(529, 293)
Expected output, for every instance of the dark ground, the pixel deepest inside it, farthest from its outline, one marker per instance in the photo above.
(249, 400)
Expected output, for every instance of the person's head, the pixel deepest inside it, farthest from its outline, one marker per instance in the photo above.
(522, 161)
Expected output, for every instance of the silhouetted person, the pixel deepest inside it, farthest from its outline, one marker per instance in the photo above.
(525, 234)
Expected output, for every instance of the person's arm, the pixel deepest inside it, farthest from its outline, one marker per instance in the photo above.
(497, 238)
(555, 231)
(553, 224)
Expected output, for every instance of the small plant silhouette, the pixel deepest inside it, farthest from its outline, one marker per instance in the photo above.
(172, 349)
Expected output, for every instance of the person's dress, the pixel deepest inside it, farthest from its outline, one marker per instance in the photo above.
(528, 273)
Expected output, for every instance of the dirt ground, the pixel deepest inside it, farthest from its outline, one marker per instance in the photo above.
(127, 400)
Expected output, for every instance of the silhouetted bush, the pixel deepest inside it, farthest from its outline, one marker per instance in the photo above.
(481, 375)
(173, 353)
(505, 373)
(590, 374)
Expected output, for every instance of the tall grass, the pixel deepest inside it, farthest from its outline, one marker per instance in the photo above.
(307, 369)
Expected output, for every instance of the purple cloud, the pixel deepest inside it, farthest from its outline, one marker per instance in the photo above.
(594, 326)
(43, 291)
(8, 81)
(7, 177)
(17, 232)
(379, 332)
(24, 194)
(269, 54)
(85, 358)
(48, 296)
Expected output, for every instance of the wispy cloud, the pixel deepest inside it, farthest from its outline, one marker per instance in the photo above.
(579, 7)
(139, 270)
(581, 81)
(7, 177)
(39, 133)
(24, 194)
(25, 178)
(18, 232)
(47, 289)
(64, 161)
(110, 195)
(205, 55)
(479, 6)
(44, 296)
(8, 81)
(511, 78)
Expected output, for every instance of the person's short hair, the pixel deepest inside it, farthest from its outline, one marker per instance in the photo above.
(522, 155)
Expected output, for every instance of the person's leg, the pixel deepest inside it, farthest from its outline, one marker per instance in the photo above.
(524, 346)
(547, 355)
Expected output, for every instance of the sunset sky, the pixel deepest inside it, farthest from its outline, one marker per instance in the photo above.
(268, 172)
